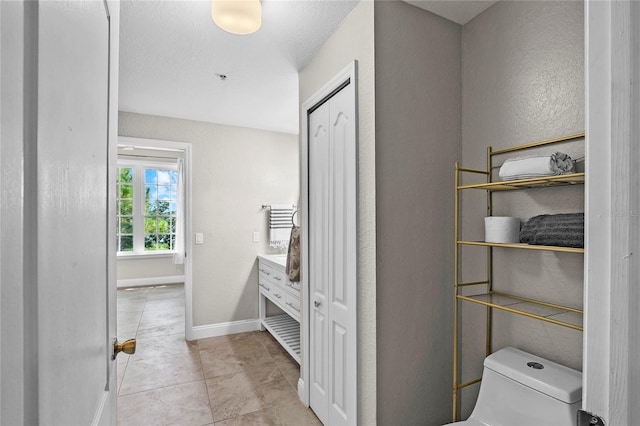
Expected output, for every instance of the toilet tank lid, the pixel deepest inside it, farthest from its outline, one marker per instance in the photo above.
(553, 379)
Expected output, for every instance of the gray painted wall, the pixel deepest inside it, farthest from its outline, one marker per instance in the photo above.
(523, 81)
(235, 171)
(418, 138)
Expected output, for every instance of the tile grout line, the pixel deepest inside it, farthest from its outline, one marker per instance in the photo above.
(204, 379)
(281, 366)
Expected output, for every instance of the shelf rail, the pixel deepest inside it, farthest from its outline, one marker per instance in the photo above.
(531, 308)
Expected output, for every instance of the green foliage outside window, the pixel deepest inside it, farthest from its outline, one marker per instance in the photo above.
(125, 209)
(160, 205)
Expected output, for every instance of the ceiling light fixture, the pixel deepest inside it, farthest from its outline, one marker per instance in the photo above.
(237, 16)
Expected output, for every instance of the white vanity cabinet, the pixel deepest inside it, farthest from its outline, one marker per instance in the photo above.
(273, 284)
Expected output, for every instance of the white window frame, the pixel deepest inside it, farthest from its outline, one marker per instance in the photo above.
(138, 167)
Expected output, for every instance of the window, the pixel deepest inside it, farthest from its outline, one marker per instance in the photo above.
(146, 207)
(125, 209)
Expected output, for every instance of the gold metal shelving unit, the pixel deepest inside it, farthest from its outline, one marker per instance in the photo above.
(564, 316)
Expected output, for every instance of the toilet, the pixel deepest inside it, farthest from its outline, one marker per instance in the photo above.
(520, 389)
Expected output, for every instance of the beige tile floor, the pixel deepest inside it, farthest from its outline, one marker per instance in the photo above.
(241, 379)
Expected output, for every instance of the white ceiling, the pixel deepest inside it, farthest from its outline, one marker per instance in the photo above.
(171, 53)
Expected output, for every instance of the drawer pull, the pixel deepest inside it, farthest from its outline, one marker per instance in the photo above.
(264, 271)
(277, 295)
(277, 278)
(293, 306)
(264, 286)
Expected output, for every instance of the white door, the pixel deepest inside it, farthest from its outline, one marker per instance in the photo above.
(319, 256)
(75, 289)
(332, 258)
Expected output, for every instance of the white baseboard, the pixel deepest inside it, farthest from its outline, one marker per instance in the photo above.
(223, 329)
(301, 393)
(141, 282)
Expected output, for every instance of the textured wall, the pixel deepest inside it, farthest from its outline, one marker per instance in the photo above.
(354, 40)
(418, 138)
(235, 171)
(523, 80)
(133, 268)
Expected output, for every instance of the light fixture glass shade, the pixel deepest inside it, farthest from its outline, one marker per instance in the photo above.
(237, 16)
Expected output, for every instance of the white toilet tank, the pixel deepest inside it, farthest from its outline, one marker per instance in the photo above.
(520, 389)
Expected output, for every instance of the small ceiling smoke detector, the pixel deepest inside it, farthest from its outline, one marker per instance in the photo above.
(222, 77)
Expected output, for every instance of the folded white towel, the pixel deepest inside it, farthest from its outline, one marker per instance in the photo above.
(279, 237)
(536, 166)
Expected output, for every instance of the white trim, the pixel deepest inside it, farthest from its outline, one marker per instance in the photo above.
(128, 255)
(171, 163)
(223, 329)
(141, 282)
(301, 390)
(349, 72)
(159, 144)
(186, 148)
(611, 199)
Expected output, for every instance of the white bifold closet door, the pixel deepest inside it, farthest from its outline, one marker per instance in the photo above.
(332, 258)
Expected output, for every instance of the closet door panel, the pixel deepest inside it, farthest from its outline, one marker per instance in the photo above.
(342, 292)
(332, 171)
(319, 250)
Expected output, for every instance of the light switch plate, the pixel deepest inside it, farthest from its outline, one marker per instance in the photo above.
(199, 238)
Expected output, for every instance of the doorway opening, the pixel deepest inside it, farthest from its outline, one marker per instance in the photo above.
(153, 233)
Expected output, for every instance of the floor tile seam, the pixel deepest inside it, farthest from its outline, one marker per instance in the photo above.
(163, 387)
(119, 386)
(257, 386)
(263, 407)
(162, 335)
(229, 352)
(160, 357)
(274, 405)
(158, 326)
(246, 371)
(206, 386)
(295, 387)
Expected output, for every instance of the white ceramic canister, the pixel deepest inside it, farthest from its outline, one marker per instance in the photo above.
(501, 229)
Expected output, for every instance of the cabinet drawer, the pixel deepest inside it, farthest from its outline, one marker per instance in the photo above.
(279, 277)
(293, 306)
(293, 287)
(266, 288)
(278, 295)
(267, 274)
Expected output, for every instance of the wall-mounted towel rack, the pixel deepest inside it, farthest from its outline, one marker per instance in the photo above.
(280, 222)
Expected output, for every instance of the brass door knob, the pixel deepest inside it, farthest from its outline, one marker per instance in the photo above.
(128, 347)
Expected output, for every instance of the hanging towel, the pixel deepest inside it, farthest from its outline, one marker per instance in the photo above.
(280, 225)
(536, 166)
(293, 255)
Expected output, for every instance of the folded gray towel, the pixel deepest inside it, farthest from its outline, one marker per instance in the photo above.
(563, 230)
